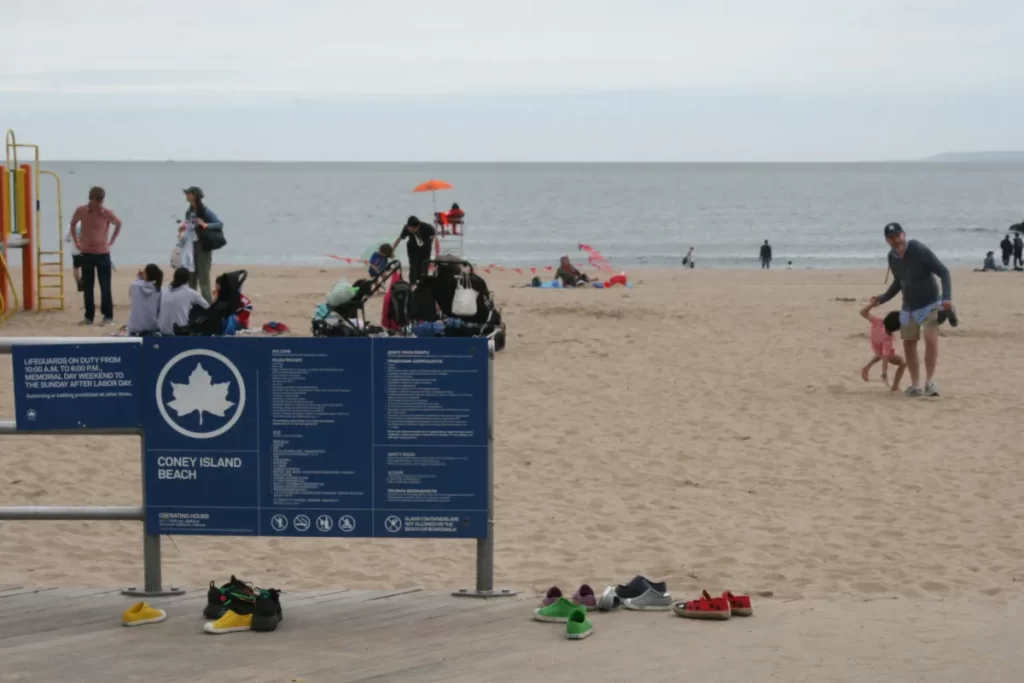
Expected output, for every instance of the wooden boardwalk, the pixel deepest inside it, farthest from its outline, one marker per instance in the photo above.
(54, 635)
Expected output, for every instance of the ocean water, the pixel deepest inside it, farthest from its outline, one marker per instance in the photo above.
(815, 215)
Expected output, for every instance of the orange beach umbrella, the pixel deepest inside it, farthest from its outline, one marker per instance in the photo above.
(432, 186)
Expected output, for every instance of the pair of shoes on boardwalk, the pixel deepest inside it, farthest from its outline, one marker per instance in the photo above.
(232, 607)
(557, 609)
(718, 609)
(239, 606)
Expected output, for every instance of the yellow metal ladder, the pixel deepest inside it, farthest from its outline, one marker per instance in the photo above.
(50, 264)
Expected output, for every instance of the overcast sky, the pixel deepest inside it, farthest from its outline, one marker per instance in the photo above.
(552, 80)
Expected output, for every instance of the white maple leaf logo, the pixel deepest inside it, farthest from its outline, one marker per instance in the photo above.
(200, 395)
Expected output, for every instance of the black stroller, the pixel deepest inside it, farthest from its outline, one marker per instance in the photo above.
(213, 321)
(351, 315)
(434, 299)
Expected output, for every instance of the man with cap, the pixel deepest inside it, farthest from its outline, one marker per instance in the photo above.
(915, 267)
(421, 240)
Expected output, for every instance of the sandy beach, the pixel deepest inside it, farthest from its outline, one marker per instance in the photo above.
(708, 428)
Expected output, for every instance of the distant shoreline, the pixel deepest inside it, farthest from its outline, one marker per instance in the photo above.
(948, 157)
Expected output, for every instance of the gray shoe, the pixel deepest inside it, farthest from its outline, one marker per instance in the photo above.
(85, 321)
(609, 600)
(930, 389)
(107, 322)
(913, 392)
(650, 600)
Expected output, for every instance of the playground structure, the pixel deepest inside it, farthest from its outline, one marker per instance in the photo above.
(42, 270)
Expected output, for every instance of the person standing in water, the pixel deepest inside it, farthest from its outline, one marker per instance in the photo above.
(1018, 252)
(766, 255)
(914, 268)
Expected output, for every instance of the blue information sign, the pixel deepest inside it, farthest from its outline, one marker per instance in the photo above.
(316, 437)
(77, 386)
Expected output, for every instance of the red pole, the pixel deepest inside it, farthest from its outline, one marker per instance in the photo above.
(28, 252)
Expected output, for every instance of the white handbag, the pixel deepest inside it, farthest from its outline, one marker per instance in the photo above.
(464, 303)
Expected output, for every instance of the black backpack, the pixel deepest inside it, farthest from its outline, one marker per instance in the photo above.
(422, 305)
(400, 296)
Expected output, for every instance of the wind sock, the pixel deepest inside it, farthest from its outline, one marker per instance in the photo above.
(596, 258)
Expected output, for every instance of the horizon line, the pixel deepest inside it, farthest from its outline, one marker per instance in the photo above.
(629, 162)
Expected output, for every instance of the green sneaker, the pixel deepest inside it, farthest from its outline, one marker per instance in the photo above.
(578, 627)
(557, 612)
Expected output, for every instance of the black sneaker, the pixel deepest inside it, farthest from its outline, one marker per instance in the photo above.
(234, 592)
(267, 612)
(638, 586)
(949, 316)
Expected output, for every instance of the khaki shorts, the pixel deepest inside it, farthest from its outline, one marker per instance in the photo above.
(912, 330)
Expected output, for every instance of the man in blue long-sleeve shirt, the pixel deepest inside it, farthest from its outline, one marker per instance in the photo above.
(915, 267)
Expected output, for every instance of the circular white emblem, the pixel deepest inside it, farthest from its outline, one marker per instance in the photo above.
(203, 397)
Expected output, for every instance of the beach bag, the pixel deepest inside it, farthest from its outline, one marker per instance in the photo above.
(464, 304)
(176, 258)
(340, 294)
(211, 239)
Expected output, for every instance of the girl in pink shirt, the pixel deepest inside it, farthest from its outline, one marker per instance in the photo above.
(882, 348)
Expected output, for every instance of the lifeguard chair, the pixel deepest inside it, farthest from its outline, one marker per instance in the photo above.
(450, 226)
(42, 271)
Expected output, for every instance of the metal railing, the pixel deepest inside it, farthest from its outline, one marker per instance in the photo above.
(151, 553)
(152, 579)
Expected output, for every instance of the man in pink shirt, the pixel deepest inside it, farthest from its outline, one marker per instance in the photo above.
(94, 241)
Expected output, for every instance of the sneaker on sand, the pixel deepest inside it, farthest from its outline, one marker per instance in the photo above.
(220, 598)
(551, 596)
(557, 612)
(650, 600)
(231, 622)
(913, 392)
(930, 389)
(107, 322)
(140, 613)
(584, 597)
(578, 627)
(704, 607)
(85, 321)
(267, 612)
(638, 586)
(609, 600)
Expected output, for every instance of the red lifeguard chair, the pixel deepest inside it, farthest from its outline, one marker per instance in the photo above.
(450, 225)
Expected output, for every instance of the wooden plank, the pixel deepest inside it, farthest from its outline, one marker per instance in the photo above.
(14, 592)
(85, 617)
(62, 598)
(420, 637)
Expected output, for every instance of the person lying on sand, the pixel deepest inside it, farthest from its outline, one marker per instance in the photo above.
(882, 346)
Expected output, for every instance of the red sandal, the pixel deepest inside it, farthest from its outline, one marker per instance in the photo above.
(706, 607)
(739, 605)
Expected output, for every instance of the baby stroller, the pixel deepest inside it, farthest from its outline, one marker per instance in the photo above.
(350, 313)
(440, 292)
(219, 318)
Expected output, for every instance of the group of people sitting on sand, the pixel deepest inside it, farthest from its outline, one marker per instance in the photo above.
(178, 309)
